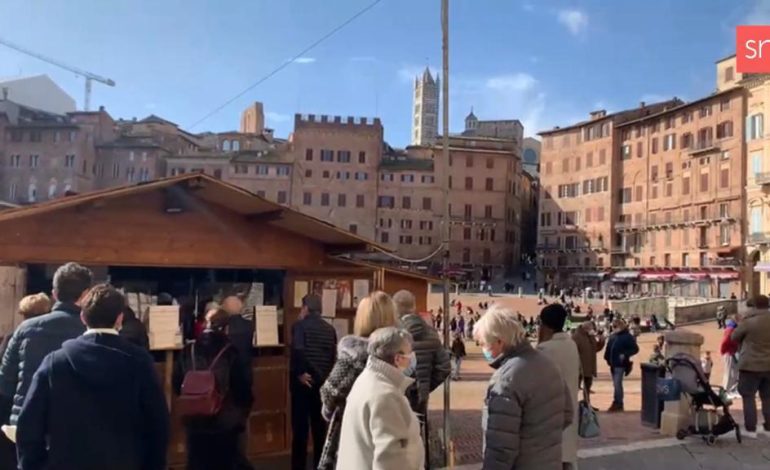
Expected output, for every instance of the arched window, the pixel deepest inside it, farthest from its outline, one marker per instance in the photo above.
(226, 145)
(51, 189)
(32, 192)
(236, 145)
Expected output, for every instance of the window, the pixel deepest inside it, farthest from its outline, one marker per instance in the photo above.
(669, 189)
(236, 145)
(308, 155)
(406, 224)
(327, 155)
(362, 176)
(724, 177)
(406, 202)
(343, 156)
(490, 163)
(755, 220)
(625, 195)
(754, 126)
(115, 170)
(588, 214)
(324, 199)
(34, 160)
(131, 156)
(565, 165)
(282, 197)
(654, 145)
(450, 181)
(724, 105)
(667, 259)
(669, 142)
(466, 255)
(407, 178)
(466, 233)
(359, 200)
(17, 135)
(705, 111)
(589, 159)
(308, 173)
(490, 184)
(600, 214)
(639, 150)
(51, 189)
(724, 129)
(307, 199)
(654, 173)
(262, 170)
(729, 76)
(361, 157)
(625, 152)
(667, 238)
(724, 234)
(488, 212)
(427, 179)
(685, 260)
(704, 182)
(638, 193)
(468, 212)
(756, 164)
(353, 228)
(468, 161)
(468, 182)
(35, 136)
(426, 203)
(654, 192)
(388, 202)
(343, 175)
(32, 192)
(548, 168)
(384, 238)
(12, 192)
(16, 161)
(130, 174)
(668, 123)
(685, 186)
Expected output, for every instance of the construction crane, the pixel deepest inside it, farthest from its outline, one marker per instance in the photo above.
(87, 75)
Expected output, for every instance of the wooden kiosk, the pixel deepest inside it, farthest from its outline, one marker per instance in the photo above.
(193, 224)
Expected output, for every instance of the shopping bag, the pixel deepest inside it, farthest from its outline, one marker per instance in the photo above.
(588, 421)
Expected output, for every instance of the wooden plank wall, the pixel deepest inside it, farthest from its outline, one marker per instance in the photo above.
(13, 281)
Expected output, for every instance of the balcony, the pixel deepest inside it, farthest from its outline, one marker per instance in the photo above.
(762, 178)
(758, 238)
(676, 220)
(620, 250)
(703, 146)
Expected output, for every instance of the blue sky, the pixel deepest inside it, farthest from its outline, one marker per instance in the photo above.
(544, 62)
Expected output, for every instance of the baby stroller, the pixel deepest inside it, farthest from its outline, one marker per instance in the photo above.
(709, 405)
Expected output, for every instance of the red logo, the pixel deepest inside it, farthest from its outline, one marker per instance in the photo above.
(752, 49)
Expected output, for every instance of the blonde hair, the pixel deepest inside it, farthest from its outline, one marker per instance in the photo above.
(499, 323)
(34, 305)
(374, 311)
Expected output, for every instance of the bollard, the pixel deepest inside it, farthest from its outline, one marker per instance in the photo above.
(676, 414)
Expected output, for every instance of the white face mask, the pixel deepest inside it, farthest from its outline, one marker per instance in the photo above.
(412, 362)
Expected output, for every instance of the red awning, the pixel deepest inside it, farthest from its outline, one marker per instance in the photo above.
(725, 275)
(656, 276)
(691, 276)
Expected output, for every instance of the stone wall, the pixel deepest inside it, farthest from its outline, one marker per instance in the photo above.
(642, 307)
(702, 311)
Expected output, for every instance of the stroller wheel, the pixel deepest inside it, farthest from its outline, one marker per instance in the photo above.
(681, 434)
(710, 439)
(738, 434)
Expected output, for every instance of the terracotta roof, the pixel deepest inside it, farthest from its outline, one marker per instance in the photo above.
(681, 106)
(619, 114)
(218, 192)
(157, 120)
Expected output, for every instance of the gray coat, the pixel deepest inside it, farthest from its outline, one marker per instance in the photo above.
(433, 365)
(527, 406)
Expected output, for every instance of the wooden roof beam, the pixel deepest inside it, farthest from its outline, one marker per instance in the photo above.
(340, 249)
(267, 216)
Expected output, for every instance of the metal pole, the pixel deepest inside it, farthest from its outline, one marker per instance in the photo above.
(446, 234)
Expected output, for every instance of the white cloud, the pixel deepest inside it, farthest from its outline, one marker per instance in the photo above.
(304, 60)
(759, 13)
(575, 21)
(277, 117)
(408, 73)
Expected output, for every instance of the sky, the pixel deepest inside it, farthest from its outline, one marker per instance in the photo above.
(543, 62)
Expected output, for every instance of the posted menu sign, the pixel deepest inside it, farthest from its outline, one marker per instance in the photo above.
(164, 331)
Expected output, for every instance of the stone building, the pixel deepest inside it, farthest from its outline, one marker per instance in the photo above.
(510, 129)
(425, 112)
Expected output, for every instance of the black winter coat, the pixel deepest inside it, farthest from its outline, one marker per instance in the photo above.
(32, 341)
(433, 365)
(134, 331)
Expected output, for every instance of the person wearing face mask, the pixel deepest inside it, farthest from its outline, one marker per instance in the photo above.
(527, 404)
(379, 429)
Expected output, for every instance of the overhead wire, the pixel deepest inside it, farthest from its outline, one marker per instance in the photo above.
(285, 64)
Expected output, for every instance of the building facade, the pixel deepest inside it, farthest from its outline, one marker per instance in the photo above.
(425, 109)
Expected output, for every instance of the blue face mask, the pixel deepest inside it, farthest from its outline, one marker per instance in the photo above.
(488, 355)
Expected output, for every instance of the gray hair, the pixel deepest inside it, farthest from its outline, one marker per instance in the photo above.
(499, 323)
(70, 281)
(386, 343)
(405, 302)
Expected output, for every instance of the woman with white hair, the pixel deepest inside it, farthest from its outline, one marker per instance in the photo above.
(527, 404)
(379, 429)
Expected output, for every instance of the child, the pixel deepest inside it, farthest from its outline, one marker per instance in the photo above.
(706, 363)
(458, 352)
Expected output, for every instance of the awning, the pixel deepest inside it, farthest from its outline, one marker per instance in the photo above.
(691, 277)
(725, 275)
(762, 267)
(656, 276)
(625, 276)
(591, 274)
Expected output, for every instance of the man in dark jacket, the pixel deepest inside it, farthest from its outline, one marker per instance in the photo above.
(313, 352)
(35, 338)
(620, 348)
(133, 330)
(433, 363)
(97, 402)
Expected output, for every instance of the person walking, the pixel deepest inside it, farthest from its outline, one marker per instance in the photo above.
(729, 350)
(373, 312)
(379, 429)
(562, 350)
(433, 362)
(620, 348)
(721, 317)
(96, 403)
(313, 353)
(133, 330)
(753, 333)
(589, 344)
(458, 353)
(36, 337)
(212, 441)
(528, 405)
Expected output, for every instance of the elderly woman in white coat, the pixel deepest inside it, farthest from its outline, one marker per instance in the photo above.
(379, 429)
(562, 350)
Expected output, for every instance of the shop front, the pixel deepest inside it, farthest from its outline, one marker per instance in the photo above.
(198, 239)
(624, 282)
(656, 282)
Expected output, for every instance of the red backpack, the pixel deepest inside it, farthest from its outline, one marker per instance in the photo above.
(200, 395)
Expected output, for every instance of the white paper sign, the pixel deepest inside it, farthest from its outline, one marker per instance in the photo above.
(164, 331)
(340, 326)
(300, 291)
(360, 290)
(266, 330)
(329, 303)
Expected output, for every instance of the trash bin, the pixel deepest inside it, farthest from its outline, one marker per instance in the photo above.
(652, 406)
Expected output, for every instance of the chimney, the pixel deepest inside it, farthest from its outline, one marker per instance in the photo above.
(101, 109)
(5, 93)
(598, 114)
(641, 104)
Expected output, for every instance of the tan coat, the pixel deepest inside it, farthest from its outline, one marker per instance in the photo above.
(562, 350)
(379, 429)
(588, 347)
(753, 332)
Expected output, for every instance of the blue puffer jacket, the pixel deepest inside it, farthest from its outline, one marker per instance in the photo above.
(620, 347)
(32, 341)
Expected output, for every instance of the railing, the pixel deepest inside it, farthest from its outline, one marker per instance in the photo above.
(723, 262)
(762, 178)
(702, 146)
(758, 238)
(677, 219)
(620, 249)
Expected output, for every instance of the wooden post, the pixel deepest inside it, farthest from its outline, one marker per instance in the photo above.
(167, 375)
